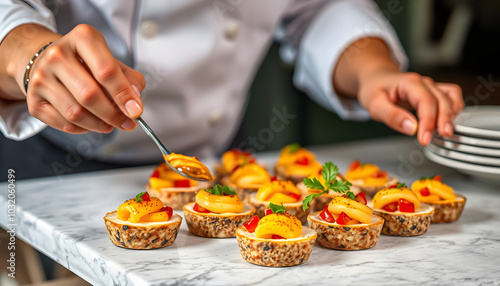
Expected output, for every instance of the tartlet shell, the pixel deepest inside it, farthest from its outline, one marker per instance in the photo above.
(148, 236)
(214, 225)
(406, 224)
(370, 191)
(446, 211)
(294, 209)
(176, 198)
(275, 252)
(346, 237)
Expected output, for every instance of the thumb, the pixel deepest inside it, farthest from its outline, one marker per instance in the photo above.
(383, 110)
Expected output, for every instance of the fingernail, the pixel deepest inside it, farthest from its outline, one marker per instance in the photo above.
(448, 129)
(136, 90)
(133, 108)
(129, 124)
(409, 127)
(426, 139)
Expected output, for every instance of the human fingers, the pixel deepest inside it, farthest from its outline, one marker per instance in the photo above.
(105, 69)
(444, 108)
(382, 109)
(45, 112)
(410, 87)
(76, 95)
(454, 92)
(47, 90)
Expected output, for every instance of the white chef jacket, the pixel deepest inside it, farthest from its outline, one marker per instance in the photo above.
(199, 58)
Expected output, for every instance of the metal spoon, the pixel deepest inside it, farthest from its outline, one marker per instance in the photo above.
(164, 150)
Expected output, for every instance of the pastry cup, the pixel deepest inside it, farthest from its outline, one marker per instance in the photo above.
(213, 224)
(282, 175)
(275, 252)
(346, 237)
(448, 211)
(294, 209)
(406, 224)
(176, 198)
(142, 235)
(370, 191)
(243, 193)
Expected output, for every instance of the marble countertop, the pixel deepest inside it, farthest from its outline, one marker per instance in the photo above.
(63, 218)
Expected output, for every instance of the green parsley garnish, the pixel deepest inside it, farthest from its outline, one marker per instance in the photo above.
(400, 185)
(329, 172)
(138, 198)
(276, 208)
(220, 190)
(427, 178)
(292, 148)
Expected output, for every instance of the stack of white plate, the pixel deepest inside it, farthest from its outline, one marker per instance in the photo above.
(474, 149)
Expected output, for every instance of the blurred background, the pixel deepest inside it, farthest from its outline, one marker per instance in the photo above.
(449, 40)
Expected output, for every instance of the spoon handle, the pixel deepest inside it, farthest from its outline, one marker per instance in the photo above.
(151, 134)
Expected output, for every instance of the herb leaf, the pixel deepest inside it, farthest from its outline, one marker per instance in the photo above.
(220, 190)
(329, 173)
(276, 208)
(427, 178)
(293, 147)
(138, 198)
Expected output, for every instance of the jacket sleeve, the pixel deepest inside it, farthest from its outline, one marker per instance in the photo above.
(15, 121)
(315, 33)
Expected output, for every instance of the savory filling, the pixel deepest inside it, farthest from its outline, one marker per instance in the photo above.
(299, 161)
(278, 192)
(368, 174)
(190, 166)
(396, 197)
(218, 200)
(432, 189)
(144, 208)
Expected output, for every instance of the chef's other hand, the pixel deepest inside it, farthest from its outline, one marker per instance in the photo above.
(76, 85)
(389, 94)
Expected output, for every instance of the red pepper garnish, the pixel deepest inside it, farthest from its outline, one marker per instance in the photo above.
(235, 168)
(156, 174)
(252, 223)
(354, 165)
(406, 206)
(182, 183)
(274, 178)
(268, 211)
(302, 161)
(391, 207)
(361, 198)
(326, 215)
(196, 158)
(425, 191)
(145, 197)
(275, 236)
(251, 161)
(168, 210)
(295, 196)
(395, 186)
(343, 218)
(199, 209)
(380, 174)
(437, 178)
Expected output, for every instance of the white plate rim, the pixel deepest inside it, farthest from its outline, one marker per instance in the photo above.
(470, 158)
(486, 110)
(471, 141)
(459, 165)
(476, 150)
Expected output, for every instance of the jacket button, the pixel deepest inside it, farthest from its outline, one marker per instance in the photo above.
(149, 28)
(231, 31)
(215, 117)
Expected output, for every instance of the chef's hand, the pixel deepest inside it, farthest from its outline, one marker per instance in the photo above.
(76, 85)
(366, 70)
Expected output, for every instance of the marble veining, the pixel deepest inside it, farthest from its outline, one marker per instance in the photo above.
(62, 217)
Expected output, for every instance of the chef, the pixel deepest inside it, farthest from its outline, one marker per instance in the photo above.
(75, 70)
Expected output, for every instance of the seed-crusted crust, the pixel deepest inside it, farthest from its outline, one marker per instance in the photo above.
(294, 209)
(275, 252)
(142, 235)
(176, 198)
(446, 211)
(346, 237)
(370, 191)
(406, 224)
(243, 193)
(215, 225)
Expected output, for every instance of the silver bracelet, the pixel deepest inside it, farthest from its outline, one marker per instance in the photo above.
(28, 67)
